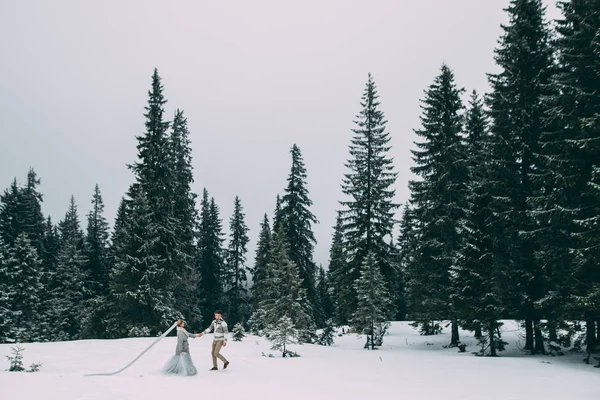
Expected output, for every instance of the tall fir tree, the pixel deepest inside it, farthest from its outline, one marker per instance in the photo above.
(185, 215)
(51, 245)
(70, 227)
(481, 282)
(284, 294)
(141, 303)
(11, 225)
(407, 243)
(261, 260)
(67, 284)
(338, 281)
(4, 298)
(439, 201)
(22, 290)
(569, 151)
(374, 301)
(103, 321)
(518, 118)
(211, 262)
(297, 221)
(368, 215)
(30, 210)
(96, 248)
(235, 276)
(277, 215)
(324, 309)
(154, 187)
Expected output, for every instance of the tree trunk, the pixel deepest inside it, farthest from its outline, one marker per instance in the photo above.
(492, 336)
(598, 332)
(528, 334)
(552, 331)
(478, 333)
(455, 340)
(590, 326)
(539, 339)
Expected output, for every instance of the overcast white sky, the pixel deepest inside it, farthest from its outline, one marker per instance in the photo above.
(253, 77)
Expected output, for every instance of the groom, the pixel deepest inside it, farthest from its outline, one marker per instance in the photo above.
(219, 327)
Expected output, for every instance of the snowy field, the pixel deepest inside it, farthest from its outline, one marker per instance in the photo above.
(408, 366)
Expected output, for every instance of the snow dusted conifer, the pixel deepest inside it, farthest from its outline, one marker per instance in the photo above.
(373, 301)
(326, 336)
(211, 263)
(368, 215)
(518, 111)
(19, 304)
(439, 200)
(238, 332)
(235, 274)
(297, 221)
(282, 334)
(261, 260)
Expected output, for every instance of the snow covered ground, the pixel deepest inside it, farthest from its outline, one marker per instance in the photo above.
(406, 367)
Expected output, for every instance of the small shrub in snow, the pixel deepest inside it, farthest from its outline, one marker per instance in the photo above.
(16, 360)
(427, 328)
(35, 367)
(257, 322)
(381, 330)
(139, 331)
(326, 337)
(238, 332)
(291, 353)
(282, 334)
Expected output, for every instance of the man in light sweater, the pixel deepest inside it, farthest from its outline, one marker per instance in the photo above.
(219, 327)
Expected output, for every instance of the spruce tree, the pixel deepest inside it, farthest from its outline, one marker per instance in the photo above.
(325, 305)
(70, 227)
(20, 273)
(261, 261)
(68, 293)
(407, 245)
(339, 281)
(326, 336)
(185, 219)
(238, 332)
(103, 321)
(373, 301)
(51, 245)
(235, 275)
(518, 118)
(297, 220)
(277, 215)
(4, 289)
(11, 225)
(284, 294)
(155, 181)
(479, 299)
(30, 212)
(570, 156)
(96, 248)
(211, 263)
(439, 201)
(282, 334)
(67, 285)
(368, 215)
(141, 301)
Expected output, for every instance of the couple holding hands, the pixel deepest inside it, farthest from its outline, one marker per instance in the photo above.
(181, 363)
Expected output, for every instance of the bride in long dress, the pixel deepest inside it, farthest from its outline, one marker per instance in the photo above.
(181, 363)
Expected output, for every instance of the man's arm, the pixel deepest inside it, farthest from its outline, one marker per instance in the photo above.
(207, 330)
(225, 332)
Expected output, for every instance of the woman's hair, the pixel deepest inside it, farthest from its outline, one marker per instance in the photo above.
(179, 322)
